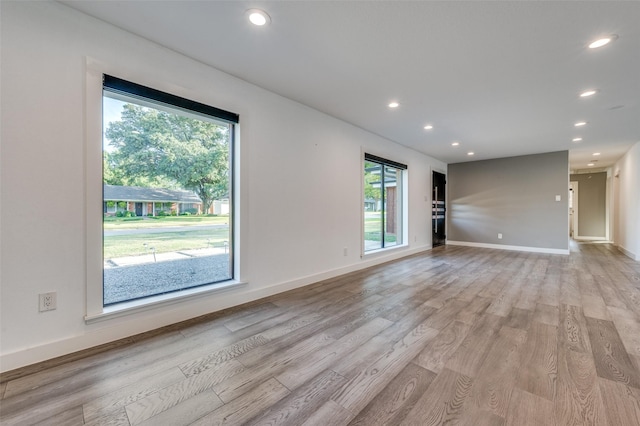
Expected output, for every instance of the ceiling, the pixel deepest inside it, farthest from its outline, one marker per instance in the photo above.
(501, 78)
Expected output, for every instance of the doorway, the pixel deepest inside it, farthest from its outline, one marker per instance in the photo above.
(573, 209)
(438, 209)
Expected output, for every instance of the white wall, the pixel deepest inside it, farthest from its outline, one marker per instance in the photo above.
(626, 193)
(299, 183)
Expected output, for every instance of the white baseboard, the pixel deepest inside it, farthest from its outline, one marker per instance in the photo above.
(628, 253)
(506, 247)
(122, 327)
(581, 238)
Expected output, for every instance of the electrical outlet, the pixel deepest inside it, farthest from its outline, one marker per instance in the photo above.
(48, 301)
(499, 236)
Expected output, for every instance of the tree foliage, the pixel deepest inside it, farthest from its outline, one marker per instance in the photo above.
(371, 177)
(154, 148)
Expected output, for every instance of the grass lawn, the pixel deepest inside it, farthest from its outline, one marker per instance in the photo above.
(161, 221)
(373, 229)
(133, 245)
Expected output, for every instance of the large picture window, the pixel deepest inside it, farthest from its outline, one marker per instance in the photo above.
(383, 216)
(167, 192)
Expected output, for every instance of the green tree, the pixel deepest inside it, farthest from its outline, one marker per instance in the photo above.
(372, 176)
(114, 174)
(156, 148)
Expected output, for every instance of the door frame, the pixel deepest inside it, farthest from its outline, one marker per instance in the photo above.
(429, 199)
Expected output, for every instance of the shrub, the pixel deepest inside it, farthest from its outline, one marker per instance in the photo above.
(119, 213)
(191, 211)
(185, 214)
(162, 213)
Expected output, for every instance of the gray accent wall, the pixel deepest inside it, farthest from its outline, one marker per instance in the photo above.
(592, 204)
(514, 196)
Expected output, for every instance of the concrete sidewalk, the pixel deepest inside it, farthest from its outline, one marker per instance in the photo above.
(162, 257)
(143, 277)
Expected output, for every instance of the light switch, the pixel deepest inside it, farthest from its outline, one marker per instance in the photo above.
(558, 198)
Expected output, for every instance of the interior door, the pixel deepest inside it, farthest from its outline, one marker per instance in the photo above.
(438, 209)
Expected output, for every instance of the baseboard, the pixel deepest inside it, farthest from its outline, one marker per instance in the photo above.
(332, 273)
(178, 312)
(628, 253)
(581, 238)
(506, 247)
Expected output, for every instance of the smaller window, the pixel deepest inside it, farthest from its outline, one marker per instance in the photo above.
(383, 203)
(110, 206)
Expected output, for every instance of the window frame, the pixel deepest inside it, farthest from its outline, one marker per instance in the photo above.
(402, 178)
(93, 195)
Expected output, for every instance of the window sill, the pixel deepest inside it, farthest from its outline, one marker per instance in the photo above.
(383, 250)
(154, 302)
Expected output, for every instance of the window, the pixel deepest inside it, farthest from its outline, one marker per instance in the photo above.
(383, 203)
(110, 206)
(167, 161)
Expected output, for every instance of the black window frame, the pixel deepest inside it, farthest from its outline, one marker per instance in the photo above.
(147, 95)
(383, 162)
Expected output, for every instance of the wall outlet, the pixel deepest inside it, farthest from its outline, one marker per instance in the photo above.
(499, 236)
(345, 251)
(48, 301)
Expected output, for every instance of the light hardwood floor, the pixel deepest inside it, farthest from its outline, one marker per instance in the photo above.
(457, 335)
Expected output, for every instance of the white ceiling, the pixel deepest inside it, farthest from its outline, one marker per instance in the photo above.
(502, 78)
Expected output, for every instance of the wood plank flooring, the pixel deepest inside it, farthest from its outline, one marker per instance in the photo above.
(457, 335)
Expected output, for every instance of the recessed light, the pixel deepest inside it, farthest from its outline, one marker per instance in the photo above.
(393, 105)
(580, 123)
(602, 41)
(258, 17)
(470, 153)
(591, 164)
(455, 144)
(588, 93)
(428, 127)
(577, 139)
(596, 153)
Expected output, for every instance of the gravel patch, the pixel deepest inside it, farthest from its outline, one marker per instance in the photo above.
(136, 281)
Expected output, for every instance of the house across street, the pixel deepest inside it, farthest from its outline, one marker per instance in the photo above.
(156, 201)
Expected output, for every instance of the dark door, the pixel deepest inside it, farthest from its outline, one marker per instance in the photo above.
(138, 209)
(438, 209)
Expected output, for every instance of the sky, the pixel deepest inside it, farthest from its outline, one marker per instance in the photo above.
(111, 109)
